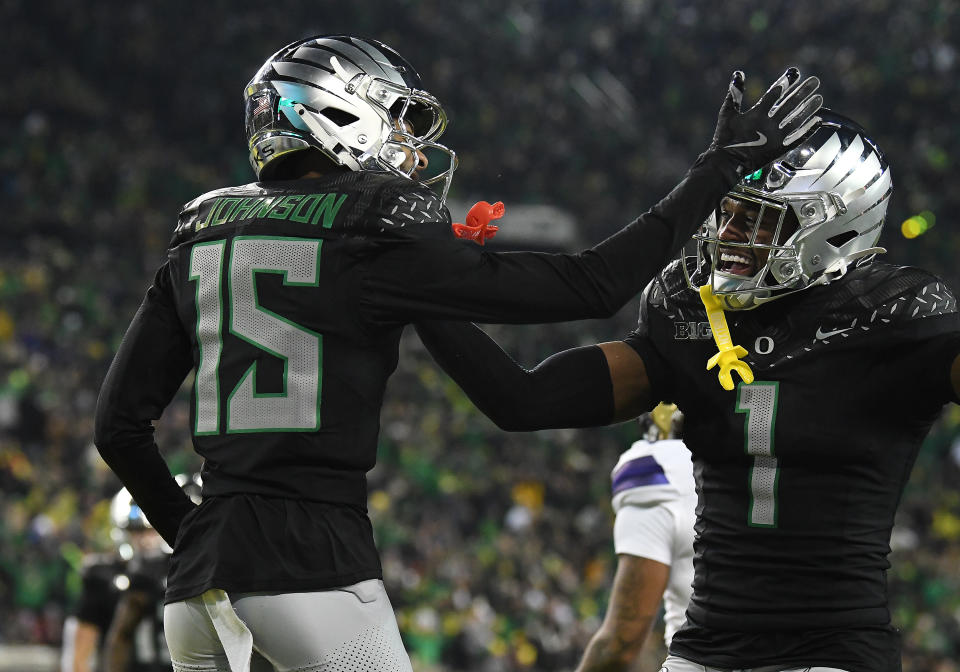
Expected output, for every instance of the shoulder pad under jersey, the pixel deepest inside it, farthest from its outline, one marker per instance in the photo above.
(667, 293)
(892, 294)
(874, 301)
(404, 209)
(187, 223)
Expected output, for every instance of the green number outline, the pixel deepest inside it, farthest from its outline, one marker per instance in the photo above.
(771, 429)
(218, 284)
(217, 281)
(252, 370)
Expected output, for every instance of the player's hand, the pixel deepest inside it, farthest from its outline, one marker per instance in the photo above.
(783, 115)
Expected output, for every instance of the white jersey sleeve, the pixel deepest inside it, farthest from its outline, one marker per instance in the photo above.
(654, 497)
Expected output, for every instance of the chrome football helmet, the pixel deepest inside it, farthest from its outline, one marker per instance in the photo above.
(126, 515)
(128, 519)
(829, 194)
(357, 101)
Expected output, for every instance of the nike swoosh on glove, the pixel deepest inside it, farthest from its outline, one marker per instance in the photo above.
(783, 115)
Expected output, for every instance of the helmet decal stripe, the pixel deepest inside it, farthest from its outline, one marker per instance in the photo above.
(304, 74)
(363, 62)
(872, 193)
(309, 55)
(381, 60)
(841, 167)
(867, 172)
(824, 157)
(324, 55)
(857, 166)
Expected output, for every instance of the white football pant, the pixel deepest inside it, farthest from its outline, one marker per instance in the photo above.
(676, 664)
(344, 629)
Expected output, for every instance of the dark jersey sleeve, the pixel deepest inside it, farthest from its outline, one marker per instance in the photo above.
(98, 598)
(658, 369)
(432, 278)
(569, 389)
(921, 334)
(153, 359)
(920, 371)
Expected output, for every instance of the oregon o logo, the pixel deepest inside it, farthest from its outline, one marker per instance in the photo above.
(763, 345)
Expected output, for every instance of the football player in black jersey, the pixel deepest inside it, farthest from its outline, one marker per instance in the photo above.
(85, 629)
(288, 297)
(844, 364)
(106, 578)
(135, 641)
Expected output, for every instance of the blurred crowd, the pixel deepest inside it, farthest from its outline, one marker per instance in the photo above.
(496, 547)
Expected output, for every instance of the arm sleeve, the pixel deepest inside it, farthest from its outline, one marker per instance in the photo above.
(151, 363)
(645, 531)
(96, 601)
(658, 371)
(917, 358)
(569, 389)
(445, 278)
(932, 363)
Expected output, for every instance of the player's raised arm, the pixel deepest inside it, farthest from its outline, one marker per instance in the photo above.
(527, 287)
(581, 387)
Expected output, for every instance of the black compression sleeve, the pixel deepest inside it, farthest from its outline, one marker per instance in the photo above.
(449, 279)
(636, 253)
(149, 367)
(569, 389)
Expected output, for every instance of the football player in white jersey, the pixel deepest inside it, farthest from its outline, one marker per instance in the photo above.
(655, 499)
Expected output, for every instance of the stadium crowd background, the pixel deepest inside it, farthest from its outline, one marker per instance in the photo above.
(496, 547)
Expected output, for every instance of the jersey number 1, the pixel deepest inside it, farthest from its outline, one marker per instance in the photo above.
(758, 401)
(297, 407)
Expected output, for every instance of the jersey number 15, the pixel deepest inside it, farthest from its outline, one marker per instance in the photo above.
(297, 407)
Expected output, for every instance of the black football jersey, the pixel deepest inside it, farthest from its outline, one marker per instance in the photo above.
(99, 590)
(288, 300)
(799, 473)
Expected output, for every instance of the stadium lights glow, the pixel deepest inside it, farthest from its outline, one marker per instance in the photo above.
(918, 224)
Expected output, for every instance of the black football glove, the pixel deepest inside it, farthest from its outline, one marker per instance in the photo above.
(782, 116)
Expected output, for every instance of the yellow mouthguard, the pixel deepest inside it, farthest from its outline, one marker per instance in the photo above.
(728, 357)
(662, 417)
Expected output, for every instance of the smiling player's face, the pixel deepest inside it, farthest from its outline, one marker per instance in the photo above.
(737, 222)
(414, 160)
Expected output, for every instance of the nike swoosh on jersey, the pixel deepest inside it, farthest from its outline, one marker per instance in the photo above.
(759, 142)
(823, 335)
